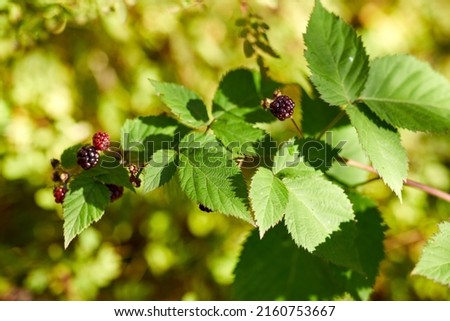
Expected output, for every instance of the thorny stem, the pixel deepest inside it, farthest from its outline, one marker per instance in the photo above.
(427, 189)
(331, 124)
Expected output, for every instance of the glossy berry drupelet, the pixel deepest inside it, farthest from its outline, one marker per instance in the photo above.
(116, 191)
(59, 193)
(282, 107)
(101, 141)
(87, 157)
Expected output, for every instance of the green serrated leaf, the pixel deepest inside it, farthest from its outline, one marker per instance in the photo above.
(83, 205)
(336, 57)
(269, 198)
(183, 103)
(237, 135)
(435, 260)
(287, 156)
(159, 170)
(352, 149)
(109, 171)
(209, 178)
(281, 271)
(317, 153)
(407, 93)
(359, 243)
(238, 94)
(69, 156)
(316, 208)
(141, 137)
(382, 143)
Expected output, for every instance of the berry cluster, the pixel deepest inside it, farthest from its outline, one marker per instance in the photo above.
(88, 155)
(61, 177)
(281, 106)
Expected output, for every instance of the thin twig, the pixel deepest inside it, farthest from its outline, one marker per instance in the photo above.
(331, 124)
(428, 189)
(298, 128)
(408, 182)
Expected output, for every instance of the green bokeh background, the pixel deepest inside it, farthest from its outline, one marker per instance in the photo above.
(70, 68)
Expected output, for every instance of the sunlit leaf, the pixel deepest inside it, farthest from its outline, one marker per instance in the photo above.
(183, 102)
(336, 57)
(407, 93)
(383, 146)
(83, 205)
(316, 207)
(269, 198)
(435, 260)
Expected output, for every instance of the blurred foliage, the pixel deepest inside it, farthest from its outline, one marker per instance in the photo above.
(69, 68)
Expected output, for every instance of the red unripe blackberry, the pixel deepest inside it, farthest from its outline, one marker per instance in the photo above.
(101, 141)
(59, 192)
(87, 157)
(282, 107)
(116, 191)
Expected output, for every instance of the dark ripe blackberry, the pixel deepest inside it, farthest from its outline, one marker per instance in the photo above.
(59, 192)
(116, 191)
(204, 208)
(87, 157)
(55, 163)
(136, 181)
(101, 141)
(282, 107)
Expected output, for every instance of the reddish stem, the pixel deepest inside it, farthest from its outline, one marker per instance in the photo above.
(428, 189)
